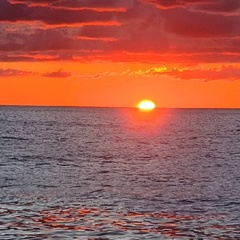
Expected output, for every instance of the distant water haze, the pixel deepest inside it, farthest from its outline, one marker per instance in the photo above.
(119, 173)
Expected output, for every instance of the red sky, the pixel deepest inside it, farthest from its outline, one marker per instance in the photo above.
(179, 53)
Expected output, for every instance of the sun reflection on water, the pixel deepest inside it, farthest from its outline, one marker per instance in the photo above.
(95, 222)
(144, 122)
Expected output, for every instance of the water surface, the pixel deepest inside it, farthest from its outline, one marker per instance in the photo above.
(103, 173)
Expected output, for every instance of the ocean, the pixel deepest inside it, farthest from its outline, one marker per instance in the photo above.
(118, 173)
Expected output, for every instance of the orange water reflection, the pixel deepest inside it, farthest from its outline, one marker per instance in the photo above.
(84, 221)
(144, 122)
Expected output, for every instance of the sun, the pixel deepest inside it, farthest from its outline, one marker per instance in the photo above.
(146, 105)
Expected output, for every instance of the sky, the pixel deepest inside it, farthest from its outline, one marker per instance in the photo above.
(113, 53)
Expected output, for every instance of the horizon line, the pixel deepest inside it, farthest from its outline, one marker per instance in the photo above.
(133, 107)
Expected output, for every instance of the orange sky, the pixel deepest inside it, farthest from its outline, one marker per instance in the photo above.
(115, 53)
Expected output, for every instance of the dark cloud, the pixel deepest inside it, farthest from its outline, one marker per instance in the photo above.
(58, 74)
(78, 4)
(139, 31)
(13, 72)
(198, 24)
(22, 12)
(101, 32)
(163, 30)
(217, 6)
(43, 40)
(165, 4)
(220, 6)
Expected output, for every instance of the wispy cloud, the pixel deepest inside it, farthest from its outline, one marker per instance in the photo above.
(58, 74)
(13, 72)
(227, 73)
(207, 74)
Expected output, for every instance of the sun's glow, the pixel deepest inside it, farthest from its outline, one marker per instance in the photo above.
(146, 105)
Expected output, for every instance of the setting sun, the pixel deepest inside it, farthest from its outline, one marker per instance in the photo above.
(146, 105)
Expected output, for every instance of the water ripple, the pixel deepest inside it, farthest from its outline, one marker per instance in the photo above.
(92, 223)
(88, 173)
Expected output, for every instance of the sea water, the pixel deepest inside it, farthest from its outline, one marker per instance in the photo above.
(117, 173)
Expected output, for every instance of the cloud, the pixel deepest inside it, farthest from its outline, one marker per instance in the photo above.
(227, 73)
(57, 74)
(166, 4)
(138, 32)
(80, 4)
(207, 74)
(198, 24)
(44, 13)
(224, 73)
(13, 72)
(128, 30)
(220, 6)
(186, 72)
(213, 6)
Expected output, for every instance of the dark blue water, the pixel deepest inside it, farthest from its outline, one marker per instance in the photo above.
(92, 173)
